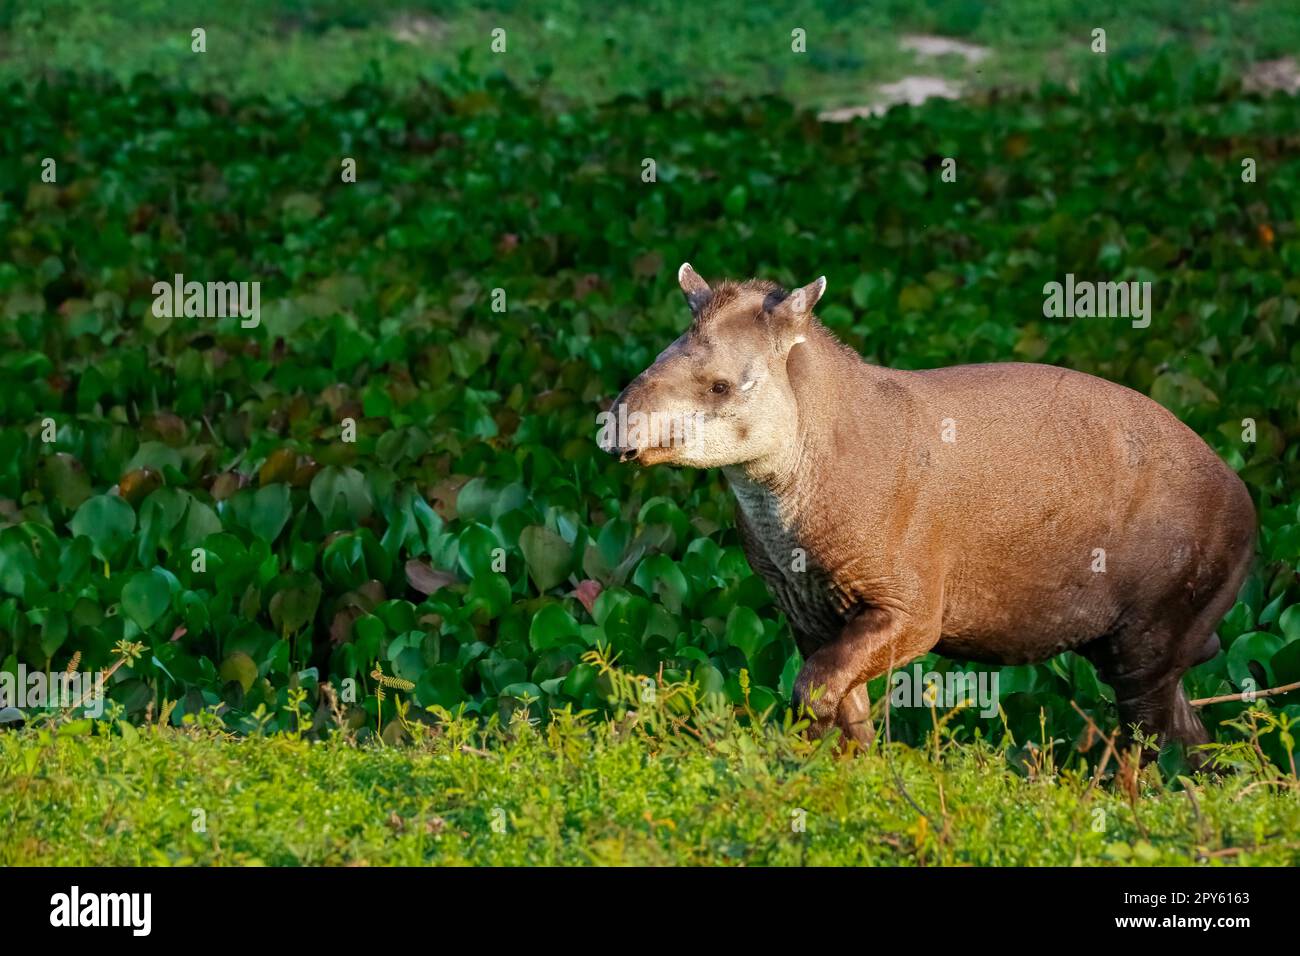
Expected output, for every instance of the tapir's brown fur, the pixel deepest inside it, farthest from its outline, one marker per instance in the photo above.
(1000, 513)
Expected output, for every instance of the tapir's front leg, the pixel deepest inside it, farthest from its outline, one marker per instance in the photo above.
(870, 644)
(854, 717)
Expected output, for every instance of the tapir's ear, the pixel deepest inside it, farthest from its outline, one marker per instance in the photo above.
(697, 291)
(791, 315)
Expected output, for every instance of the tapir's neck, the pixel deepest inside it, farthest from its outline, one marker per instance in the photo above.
(820, 370)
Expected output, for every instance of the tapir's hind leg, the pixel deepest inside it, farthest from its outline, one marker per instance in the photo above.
(1146, 671)
(1145, 663)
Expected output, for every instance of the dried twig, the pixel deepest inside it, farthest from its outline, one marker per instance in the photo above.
(1110, 746)
(1254, 694)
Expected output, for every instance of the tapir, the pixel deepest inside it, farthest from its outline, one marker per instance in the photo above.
(1000, 513)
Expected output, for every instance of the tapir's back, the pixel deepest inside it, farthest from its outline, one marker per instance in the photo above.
(1045, 497)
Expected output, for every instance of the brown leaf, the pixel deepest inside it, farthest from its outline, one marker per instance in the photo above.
(305, 472)
(373, 591)
(166, 426)
(341, 626)
(587, 591)
(279, 466)
(443, 496)
(425, 579)
(135, 485)
(226, 484)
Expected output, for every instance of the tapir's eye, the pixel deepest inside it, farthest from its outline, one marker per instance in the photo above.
(719, 388)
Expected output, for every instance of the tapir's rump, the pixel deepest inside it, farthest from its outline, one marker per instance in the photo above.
(1000, 513)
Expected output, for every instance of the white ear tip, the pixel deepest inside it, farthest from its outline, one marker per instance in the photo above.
(683, 270)
(799, 339)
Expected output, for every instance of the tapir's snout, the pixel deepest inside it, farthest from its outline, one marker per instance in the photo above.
(657, 418)
(617, 445)
(616, 438)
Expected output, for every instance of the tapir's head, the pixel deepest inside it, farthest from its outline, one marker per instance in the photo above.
(720, 394)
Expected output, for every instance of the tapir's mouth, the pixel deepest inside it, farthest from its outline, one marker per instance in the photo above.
(646, 437)
(646, 457)
(641, 456)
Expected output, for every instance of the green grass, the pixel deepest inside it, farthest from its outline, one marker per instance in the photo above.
(578, 50)
(605, 794)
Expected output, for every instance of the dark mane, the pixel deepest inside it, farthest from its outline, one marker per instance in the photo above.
(726, 293)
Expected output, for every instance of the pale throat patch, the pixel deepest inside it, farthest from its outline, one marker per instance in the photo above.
(767, 523)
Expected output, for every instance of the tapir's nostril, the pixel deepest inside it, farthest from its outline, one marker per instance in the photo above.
(627, 454)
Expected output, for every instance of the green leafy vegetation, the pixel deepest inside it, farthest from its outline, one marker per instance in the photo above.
(472, 539)
(200, 495)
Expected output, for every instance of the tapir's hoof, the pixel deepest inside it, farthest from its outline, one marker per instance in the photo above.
(862, 734)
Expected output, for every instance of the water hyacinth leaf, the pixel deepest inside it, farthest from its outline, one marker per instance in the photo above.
(44, 548)
(623, 616)
(745, 631)
(710, 679)
(1256, 648)
(1285, 664)
(200, 521)
(160, 512)
(548, 557)
(790, 673)
(270, 511)
(397, 615)
(499, 672)
(64, 479)
(579, 682)
(522, 689)
(479, 552)
(239, 667)
(154, 456)
(294, 606)
(352, 559)
(108, 522)
(17, 563)
(440, 686)
(612, 541)
(660, 576)
(1271, 611)
(428, 522)
(1289, 624)
(145, 598)
(492, 591)
(52, 625)
(341, 496)
(475, 500)
(552, 626)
